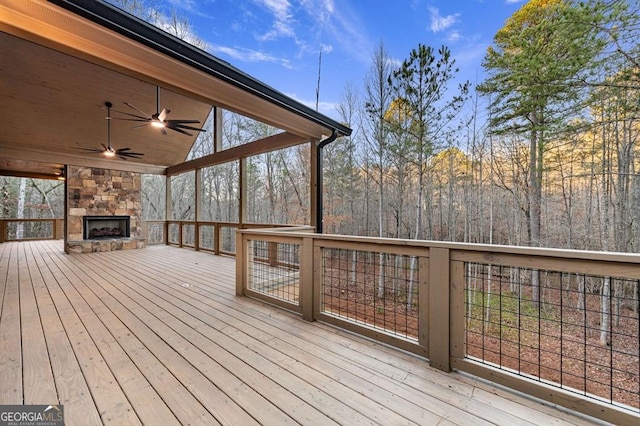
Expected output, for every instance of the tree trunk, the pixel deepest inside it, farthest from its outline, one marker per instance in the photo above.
(535, 197)
(605, 320)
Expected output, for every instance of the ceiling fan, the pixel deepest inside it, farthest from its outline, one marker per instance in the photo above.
(107, 150)
(159, 119)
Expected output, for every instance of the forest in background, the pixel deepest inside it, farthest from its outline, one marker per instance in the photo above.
(543, 152)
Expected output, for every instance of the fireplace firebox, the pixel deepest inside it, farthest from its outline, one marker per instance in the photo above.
(101, 227)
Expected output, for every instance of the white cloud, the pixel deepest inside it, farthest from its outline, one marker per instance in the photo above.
(514, 1)
(327, 108)
(248, 55)
(439, 22)
(341, 25)
(283, 22)
(308, 24)
(454, 36)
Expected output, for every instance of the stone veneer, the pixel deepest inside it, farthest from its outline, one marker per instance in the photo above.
(101, 192)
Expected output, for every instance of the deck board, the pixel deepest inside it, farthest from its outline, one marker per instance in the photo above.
(10, 327)
(157, 336)
(148, 406)
(39, 385)
(111, 401)
(71, 385)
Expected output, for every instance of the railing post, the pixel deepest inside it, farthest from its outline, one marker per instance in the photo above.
(272, 253)
(423, 303)
(306, 279)
(196, 236)
(241, 263)
(3, 230)
(144, 229)
(165, 232)
(216, 239)
(457, 310)
(317, 279)
(438, 308)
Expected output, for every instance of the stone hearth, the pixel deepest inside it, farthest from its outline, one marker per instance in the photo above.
(102, 192)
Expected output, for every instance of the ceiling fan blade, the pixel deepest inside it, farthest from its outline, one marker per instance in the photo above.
(175, 129)
(183, 121)
(96, 150)
(129, 114)
(139, 110)
(163, 115)
(126, 151)
(182, 126)
(163, 130)
(130, 119)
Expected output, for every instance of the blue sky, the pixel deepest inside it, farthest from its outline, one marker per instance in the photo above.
(278, 41)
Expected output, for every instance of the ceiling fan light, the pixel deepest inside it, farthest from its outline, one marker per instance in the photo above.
(157, 123)
(109, 153)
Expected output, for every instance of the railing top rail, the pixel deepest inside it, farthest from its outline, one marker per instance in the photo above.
(44, 219)
(277, 226)
(462, 248)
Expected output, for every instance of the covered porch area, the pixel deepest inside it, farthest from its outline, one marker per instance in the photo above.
(157, 336)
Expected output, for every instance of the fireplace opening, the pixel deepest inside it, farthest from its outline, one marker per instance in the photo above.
(100, 227)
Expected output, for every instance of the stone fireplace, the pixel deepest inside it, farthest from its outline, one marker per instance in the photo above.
(103, 210)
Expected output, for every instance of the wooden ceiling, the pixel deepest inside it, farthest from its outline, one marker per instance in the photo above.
(52, 106)
(58, 69)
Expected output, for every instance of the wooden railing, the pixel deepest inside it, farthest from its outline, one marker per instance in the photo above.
(560, 325)
(31, 229)
(216, 237)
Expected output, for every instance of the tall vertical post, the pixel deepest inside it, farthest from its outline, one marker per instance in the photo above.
(438, 308)
(217, 129)
(198, 208)
(242, 188)
(167, 209)
(313, 183)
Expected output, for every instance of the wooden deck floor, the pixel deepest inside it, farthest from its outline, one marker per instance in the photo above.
(156, 336)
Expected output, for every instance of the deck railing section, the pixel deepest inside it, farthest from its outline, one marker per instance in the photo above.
(571, 330)
(560, 325)
(215, 237)
(31, 229)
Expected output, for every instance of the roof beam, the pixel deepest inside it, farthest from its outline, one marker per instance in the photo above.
(261, 146)
(79, 160)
